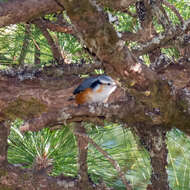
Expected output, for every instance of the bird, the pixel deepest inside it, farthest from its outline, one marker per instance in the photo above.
(94, 89)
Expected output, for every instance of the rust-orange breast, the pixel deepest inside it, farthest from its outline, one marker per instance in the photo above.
(83, 96)
(100, 89)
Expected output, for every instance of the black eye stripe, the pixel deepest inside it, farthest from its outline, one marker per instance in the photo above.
(94, 84)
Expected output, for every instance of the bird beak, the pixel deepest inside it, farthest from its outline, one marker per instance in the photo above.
(116, 83)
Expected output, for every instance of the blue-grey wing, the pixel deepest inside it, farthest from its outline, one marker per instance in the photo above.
(85, 84)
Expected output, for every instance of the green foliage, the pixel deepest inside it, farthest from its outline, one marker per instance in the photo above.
(178, 160)
(11, 38)
(121, 145)
(183, 6)
(60, 147)
(11, 41)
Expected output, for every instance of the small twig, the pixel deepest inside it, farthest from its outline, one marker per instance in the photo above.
(173, 8)
(111, 160)
(35, 43)
(60, 4)
(37, 55)
(161, 39)
(165, 15)
(161, 15)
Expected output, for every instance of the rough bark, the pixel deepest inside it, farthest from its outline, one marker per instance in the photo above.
(13, 177)
(59, 26)
(15, 11)
(154, 141)
(82, 157)
(4, 132)
(44, 98)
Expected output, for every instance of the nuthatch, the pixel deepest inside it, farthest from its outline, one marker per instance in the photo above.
(94, 89)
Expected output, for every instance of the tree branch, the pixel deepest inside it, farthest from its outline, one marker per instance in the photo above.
(28, 10)
(4, 132)
(43, 99)
(116, 5)
(154, 140)
(145, 16)
(37, 60)
(23, 73)
(24, 179)
(162, 39)
(58, 27)
(161, 14)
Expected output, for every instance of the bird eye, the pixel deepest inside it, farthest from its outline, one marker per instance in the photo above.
(109, 84)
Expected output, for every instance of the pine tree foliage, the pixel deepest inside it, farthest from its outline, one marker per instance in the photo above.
(60, 149)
